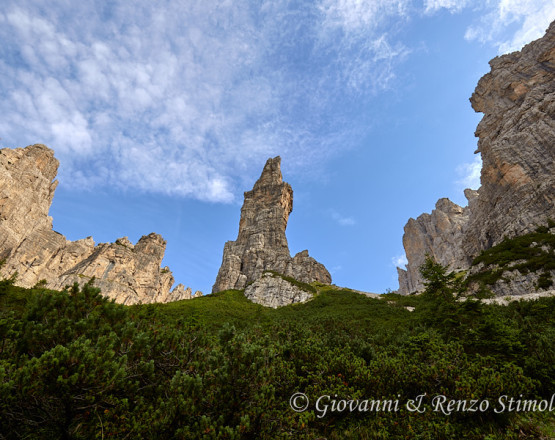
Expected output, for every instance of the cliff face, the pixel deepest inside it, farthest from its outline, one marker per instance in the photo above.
(125, 272)
(26, 190)
(261, 243)
(517, 145)
(438, 234)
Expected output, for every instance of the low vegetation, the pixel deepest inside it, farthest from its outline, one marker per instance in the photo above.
(534, 252)
(75, 365)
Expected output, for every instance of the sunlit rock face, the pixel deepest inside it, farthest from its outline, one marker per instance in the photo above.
(517, 146)
(125, 272)
(439, 235)
(261, 243)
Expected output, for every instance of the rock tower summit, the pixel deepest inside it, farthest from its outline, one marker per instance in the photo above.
(261, 244)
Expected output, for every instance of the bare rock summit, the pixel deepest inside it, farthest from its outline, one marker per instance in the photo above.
(125, 272)
(517, 145)
(261, 244)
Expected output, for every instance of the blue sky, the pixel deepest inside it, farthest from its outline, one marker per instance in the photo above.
(163, 113)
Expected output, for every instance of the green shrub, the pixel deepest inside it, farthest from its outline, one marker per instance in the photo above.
(76, 365)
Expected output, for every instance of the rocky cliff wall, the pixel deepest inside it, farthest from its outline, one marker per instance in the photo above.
(439, 235)
(517, 146)
(261, 243)
(125, 272)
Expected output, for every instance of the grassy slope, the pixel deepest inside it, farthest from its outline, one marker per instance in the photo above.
(331, 306)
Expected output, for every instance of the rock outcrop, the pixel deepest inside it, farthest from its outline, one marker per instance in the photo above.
(125, 272)
(439, 235)
(517, 145)
(261, 243)
(271, 290)
(26, 191)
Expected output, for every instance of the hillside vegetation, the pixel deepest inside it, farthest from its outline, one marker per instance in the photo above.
(76, 365)
(530, 253)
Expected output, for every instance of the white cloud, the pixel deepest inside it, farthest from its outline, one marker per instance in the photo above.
(470, 173)
(359, 31)
(341, 219)
(498, 18)
(400, 261)
(453, 6)
(356, 15)
(187, 99)
(190, 98)
(531, 16)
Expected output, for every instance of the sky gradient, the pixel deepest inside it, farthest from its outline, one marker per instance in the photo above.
(163, 113)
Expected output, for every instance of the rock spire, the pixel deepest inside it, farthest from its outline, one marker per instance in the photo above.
(261, 243)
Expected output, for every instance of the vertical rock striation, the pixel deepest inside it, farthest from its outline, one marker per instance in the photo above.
(261, 243)
(517, 145)
(125, 272)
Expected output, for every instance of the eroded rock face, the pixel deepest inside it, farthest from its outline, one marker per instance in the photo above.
(273, 291)
(438, 234)
(261, 243)
(125, 272)
(517, 145)
(26, 190)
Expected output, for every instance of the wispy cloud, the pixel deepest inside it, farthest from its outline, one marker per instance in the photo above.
(527, 19)
(453, 6)
(190, 98)
(470, 174)
(360, 32)
(342, 219)
(184, 99)
(532, 17)
(399, 261)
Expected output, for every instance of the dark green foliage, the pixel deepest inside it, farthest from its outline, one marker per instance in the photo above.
(439, 283)
(545, 281)
(75, 365)
(532, 252)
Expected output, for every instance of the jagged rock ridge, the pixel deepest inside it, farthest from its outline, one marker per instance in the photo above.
(125, 272)
(261, 243)
(517, 145)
